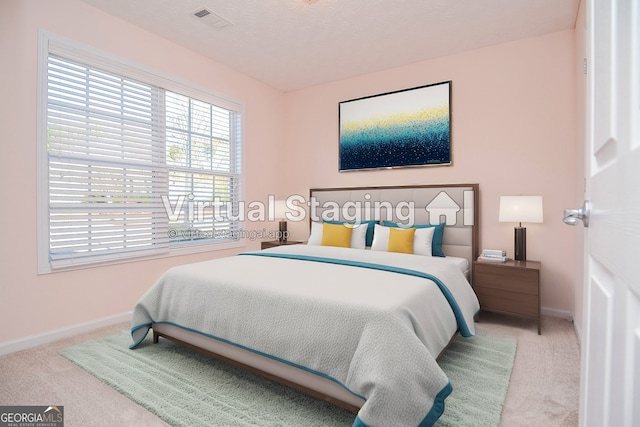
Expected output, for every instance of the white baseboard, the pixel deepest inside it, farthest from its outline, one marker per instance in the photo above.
(562, 314)
(578, 334)
(58, 334)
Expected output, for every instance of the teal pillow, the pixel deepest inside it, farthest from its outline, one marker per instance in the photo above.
(436, 243)
(370, 225)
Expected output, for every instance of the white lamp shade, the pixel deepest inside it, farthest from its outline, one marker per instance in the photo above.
(280, 209)
(520, 209)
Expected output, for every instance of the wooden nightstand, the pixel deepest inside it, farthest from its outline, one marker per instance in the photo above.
(511, 287)
(274, 243)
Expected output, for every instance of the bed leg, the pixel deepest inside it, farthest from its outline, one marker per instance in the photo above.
(155, 337)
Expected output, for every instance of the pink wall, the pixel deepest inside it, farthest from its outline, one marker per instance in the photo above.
(514, 132)
(579, 232)
(32, 304)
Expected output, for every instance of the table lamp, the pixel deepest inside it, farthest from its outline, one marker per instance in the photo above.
(280, 212)
(520, 209)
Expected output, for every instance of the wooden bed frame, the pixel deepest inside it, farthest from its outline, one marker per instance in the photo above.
(455, 204)
(460, 240)
(265, 374)
(301, 388)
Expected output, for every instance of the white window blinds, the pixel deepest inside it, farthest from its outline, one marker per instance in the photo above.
(203, 169)
(118, 149)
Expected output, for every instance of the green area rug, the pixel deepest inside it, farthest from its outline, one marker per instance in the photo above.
(186, 388)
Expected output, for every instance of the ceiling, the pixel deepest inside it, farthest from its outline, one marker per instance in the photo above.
(293, 44)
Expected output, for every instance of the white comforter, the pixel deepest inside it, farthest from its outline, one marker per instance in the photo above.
(375, 332)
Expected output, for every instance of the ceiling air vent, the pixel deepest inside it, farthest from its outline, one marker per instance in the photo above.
(211, 19)
(202, 13)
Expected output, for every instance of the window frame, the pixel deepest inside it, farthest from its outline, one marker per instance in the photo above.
(49, 43)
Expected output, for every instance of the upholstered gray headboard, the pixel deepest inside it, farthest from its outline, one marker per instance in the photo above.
(455, 204)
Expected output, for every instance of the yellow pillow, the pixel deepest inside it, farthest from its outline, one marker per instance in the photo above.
(401, 240)
(336, 235)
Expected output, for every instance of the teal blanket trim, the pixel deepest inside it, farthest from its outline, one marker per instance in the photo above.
(462, 324)
(295, 365)
(135, 328)
(359, 423)
(438, 407)
(436, 410)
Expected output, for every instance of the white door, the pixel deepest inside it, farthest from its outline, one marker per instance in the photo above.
(610, 390)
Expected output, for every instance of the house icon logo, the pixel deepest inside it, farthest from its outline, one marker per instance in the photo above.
(442, 205)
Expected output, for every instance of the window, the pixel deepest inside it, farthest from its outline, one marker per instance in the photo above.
(131, 164)
(201, 161)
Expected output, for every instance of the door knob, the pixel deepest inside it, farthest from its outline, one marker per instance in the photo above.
(572, 216)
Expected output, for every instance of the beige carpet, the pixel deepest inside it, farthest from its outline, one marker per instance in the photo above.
(544, 386)
(545, 381)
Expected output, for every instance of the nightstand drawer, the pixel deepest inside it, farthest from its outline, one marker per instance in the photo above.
(508, 279)
(511, 287)
(275, 243)
(507, 302)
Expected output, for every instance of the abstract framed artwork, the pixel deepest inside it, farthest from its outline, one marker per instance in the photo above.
(410, 127)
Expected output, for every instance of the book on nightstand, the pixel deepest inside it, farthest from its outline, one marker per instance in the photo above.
(493, 258)
(493, 255)
(493, 252)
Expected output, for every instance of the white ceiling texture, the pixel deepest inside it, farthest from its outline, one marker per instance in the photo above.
(293, 44)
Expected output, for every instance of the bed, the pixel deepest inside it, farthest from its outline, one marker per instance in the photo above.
(357, 326)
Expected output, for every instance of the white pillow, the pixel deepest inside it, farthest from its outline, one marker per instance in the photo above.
(358, 235)
(380, 238)
(421, 240)
(316, 234)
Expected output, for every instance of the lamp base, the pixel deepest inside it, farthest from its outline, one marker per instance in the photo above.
(282, 232)
(520, 243)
